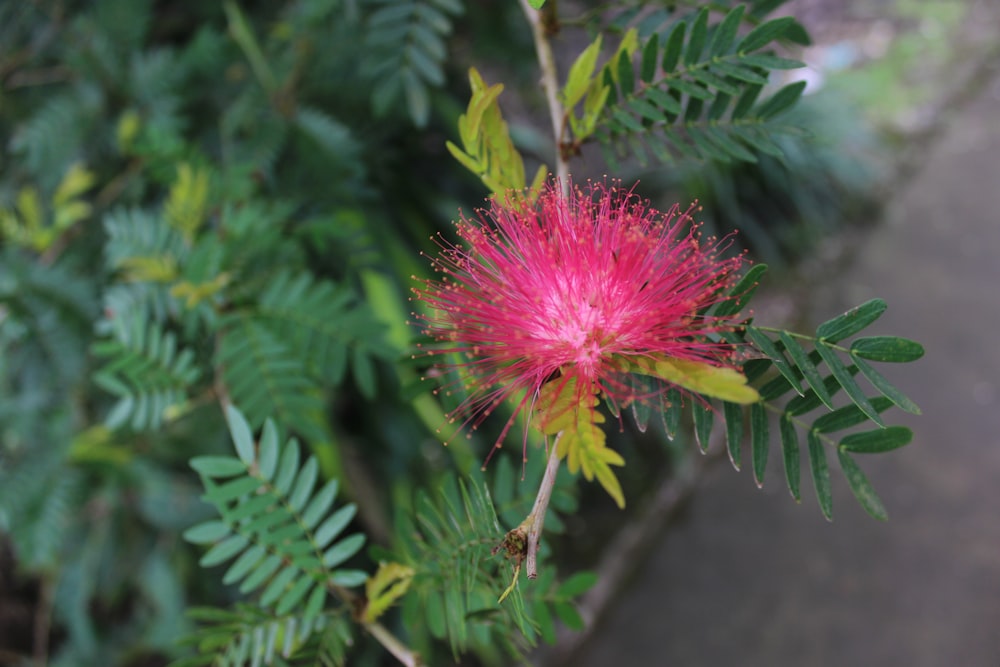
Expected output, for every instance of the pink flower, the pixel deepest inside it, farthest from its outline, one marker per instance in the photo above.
(580, 289)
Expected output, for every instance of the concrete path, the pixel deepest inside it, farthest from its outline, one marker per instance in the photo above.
(749, 578)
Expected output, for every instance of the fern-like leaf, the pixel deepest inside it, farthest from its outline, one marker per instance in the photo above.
(406, 51)
(276, 530)
(694, 93)
(265, 377)
(799, 372)
(326, 327)
(146, 369)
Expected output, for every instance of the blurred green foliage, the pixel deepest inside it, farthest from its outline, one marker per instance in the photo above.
(223, 204)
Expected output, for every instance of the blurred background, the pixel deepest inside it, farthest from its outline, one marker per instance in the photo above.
(336, 142)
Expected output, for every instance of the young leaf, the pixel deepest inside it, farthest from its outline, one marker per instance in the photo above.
(580, 74)
(726, 384)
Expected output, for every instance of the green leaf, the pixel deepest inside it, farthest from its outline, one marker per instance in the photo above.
(578, 584)
(242, 566)
(231, 490)
(759, 441)
(703, 418)
(536, 4)
(546, 626)
(268, 461)
(741, 293)
(847, 382)
(861, 487)
(877, 441)
(734, 431)
(568, 614)
(261, 574)
(781, 100)
(663, 100)
(314, 605)
(887, 348)
(765, 345)
(349, 578)
(320, 505)
(805, 365)
(848, 416)
(725, 32)
(287, 468)
(343, 550)
(769, 61)
(242, 435)
(626, 77)
(207, 532)
(673, 47)
(851, 322)
(294, 595)
(885, 387)
(672, 411)
(696, 40)
(581, 73)
(304, 484)
(790, 454)
(764, 34)
(650, 56)
(820, 474)
(218, 466)
(224, 550)
(277, 586)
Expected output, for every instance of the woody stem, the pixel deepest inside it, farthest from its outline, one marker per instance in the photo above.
(550, 82)
(537, 517)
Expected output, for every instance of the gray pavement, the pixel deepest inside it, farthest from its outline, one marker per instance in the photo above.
(747, 577)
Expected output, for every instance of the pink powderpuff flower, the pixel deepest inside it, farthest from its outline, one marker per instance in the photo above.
(579, 288)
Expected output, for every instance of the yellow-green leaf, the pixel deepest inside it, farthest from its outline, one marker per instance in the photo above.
(76, 181)
(580, 74)
(387, 585)
(726, 384)
(188, 200)
(610, 483)
(150, 269)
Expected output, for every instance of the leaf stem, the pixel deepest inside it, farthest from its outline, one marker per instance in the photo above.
(536, 519)
(550, 82)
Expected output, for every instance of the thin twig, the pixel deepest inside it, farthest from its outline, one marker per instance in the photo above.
(398, 649)
(536, 519)
(43, 623)
(550, 84)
